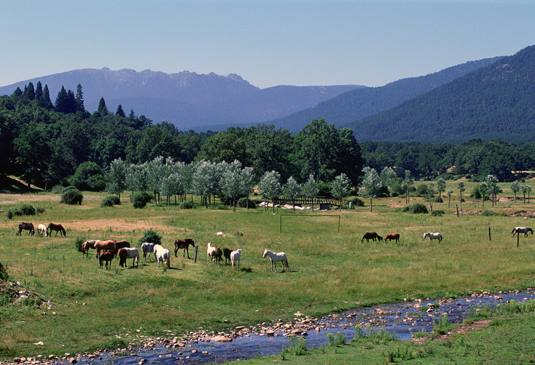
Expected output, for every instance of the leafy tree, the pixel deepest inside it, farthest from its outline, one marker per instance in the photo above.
(515, 187)
(406, 185)
(310, 189)
(246, 182)
(483, 191)
(526, 189)
(430, 194)
(449, 193)
(341, 187)
(204, 180)
(88, 176)
(441, 186)
(136, 178)
(462, 189)
(225, 146)
(32, 151)
(116, 177)
(270, 186)
(372, 184)
(231, 186)
(291, 189)
(493, 188)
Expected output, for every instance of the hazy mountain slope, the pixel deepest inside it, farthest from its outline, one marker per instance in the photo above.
(497, 101)
(360, 103)
(200, 99)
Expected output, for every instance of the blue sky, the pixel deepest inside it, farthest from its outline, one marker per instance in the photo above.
(268, 43)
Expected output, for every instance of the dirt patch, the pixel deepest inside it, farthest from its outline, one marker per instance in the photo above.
(462, 329)
(115, 225)
(395, 205)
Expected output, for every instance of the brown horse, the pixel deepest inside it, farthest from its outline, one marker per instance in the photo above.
(184, 244)
(106, 256)
(27, 227)
(371, 236)
(87, 245)
(108, 245)
(217, 254)
(56, 227)
(392, 236)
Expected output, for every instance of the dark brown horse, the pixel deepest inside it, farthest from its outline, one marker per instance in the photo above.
(371, 236)
(184, 244)
(226, 255)
(217, 254)
(27, 227)
(392, 236)
(56, 227)
(87, 245)
(106, 256)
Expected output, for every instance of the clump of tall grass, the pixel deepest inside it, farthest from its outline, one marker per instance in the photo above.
(376, 336)
(297, 346)
(336, 340)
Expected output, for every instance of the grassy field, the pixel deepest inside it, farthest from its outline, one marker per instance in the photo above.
(93, 308)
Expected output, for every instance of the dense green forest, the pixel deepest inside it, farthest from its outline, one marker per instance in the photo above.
(491, 102)
(49, 144)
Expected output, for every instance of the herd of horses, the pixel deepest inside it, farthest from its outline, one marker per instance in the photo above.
(42, 229)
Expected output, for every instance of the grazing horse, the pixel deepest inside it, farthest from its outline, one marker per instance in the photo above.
(147, 248)
(371, 236)
(276, 257)
(162, 254)
(27, 227)
(524, 230)
(235, 257)
(127, 252)
(226, 254)
(184, 244)
(209, 251)
(217, 254)
(121, 244)
(87, 245)
(58, 228)
(41, 230)
(392, 236)
(106, 256)
(108, 245)
(433, 236)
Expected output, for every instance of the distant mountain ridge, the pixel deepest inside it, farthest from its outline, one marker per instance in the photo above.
(496, 101)
(186, 99)
(357, 104)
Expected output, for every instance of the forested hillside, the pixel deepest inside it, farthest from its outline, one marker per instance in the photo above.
(492, 102)
(360, 103)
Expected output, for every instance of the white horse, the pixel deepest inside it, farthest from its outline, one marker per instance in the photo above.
(162, 254)
(524, 230)
(235, 257)
(147, 248)
(128, 252)
(210, 251)
(433, 236)
(276, 257)
(42, 230)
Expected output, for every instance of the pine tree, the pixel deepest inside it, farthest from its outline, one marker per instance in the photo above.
(120, 111)
(29, 91)
(45, 101)
(102, 109)
(79, 99)
(39, 91)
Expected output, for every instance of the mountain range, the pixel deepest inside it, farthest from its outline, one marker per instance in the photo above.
(186, 99)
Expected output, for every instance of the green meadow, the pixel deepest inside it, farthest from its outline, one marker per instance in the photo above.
(331, 269)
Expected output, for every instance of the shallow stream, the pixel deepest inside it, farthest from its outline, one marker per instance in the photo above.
(403, 319)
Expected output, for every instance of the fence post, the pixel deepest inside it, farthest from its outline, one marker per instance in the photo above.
(490, 238)
(517, 239)
(196, 250)
(280, 223)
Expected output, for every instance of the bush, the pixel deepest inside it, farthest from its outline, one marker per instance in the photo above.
(24, 209)
(72, 196)
(356, 202)
(416, 209)
(438, 199)
(222, 207)
(9, 214)
(421, 190)
(110, 201)
(78, 242)
(487, 213)
(150, 236)
(438, 213)
(3, 273)
(88, 176)
(324, 189)
(187, 205)
(242, 202)
(140, 200)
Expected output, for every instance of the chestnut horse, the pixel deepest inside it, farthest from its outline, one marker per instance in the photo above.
(56, 227)
(184, 244)
(126, 252)
(106, 256)
(392, 236)
(371, 236)
(27, 227)
(108, 245)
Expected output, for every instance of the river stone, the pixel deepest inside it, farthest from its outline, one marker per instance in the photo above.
(221, 339)
(270, 332)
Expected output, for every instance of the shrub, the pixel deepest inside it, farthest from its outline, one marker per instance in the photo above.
(242, 202)
(41, 210)
(356, 202)
(324, 189)
(110, 201)
(140, 199)
(438, 213)
(88, 176)
(416, 209)
(187, 205)
(487, 213)
(421, 190)
(9, 214)
(78, 242)
(3, 273)
(222, 207)
(438, 199)
(150, 236)
(71, 196)
(24, 209)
